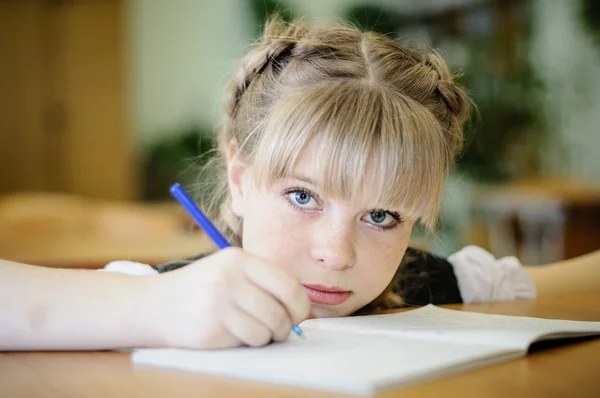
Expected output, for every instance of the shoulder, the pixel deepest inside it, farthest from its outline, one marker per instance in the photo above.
(424, 278)
(471, 275)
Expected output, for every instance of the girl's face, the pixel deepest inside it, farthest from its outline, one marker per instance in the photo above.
(345, 254)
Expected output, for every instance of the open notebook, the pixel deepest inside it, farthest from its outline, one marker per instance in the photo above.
(368, 354)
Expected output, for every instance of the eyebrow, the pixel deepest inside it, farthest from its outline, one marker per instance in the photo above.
(305, 179)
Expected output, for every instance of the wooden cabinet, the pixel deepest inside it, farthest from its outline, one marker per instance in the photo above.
(63, 116)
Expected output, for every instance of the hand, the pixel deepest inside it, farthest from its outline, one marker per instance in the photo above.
(227, 299)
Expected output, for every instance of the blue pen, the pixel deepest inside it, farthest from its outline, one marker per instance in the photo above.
(204, 222)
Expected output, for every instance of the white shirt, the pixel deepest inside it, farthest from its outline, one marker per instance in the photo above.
(481, 277)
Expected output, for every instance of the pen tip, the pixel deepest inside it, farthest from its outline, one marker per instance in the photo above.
(298, 331)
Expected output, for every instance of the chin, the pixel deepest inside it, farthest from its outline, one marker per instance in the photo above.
(328, 311)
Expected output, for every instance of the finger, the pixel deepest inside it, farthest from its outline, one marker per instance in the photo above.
(261, 305)
(224, 339)
(282, 286)
(246, 328)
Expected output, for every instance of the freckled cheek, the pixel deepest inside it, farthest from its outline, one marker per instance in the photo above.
(380, 266)
(382, 269)
(273, 233)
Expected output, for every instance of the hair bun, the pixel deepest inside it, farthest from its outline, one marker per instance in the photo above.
(278, 41)
(436, 62)
(455, 97)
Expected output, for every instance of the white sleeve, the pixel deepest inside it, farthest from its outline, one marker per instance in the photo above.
(483, 278)
(129, 267)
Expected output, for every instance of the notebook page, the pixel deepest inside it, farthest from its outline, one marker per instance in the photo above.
(435, 323)
(346, 362)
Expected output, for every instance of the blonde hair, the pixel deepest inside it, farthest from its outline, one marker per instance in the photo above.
(372, 103)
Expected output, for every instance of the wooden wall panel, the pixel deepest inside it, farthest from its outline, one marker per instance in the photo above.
(22, 149)
(100, 161)
(63, 124)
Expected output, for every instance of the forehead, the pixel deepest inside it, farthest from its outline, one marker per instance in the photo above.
(313, 166)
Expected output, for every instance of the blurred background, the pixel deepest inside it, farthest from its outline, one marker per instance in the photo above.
(106, 103)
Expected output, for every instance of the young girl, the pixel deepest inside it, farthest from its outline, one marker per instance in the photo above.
(336, 143)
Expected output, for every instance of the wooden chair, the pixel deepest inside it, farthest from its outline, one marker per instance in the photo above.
(540, 221)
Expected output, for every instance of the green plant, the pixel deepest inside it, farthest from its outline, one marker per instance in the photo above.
(590, 15)
(374, 18)
(262, 9)
(508, 128)
(177, 157)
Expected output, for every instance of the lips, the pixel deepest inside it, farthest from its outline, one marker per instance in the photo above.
(327, 295)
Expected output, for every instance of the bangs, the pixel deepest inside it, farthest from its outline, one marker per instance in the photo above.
(369, 144)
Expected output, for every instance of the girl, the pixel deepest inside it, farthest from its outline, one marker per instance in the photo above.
(336, 143)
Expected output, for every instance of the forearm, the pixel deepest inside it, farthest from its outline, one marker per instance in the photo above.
(580, 274)
(51, 309)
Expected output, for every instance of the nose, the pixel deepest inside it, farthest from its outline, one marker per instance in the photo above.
(333, 246)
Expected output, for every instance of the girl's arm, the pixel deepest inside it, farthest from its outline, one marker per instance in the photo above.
(576, 275)
(223, 300)
(48, 309)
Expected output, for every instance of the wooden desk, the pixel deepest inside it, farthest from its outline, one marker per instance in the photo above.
(69, 231)
(560, 370)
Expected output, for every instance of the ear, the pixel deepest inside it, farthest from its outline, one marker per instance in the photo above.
(236, 172)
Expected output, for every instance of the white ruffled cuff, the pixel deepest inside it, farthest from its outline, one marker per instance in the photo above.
(483, 278)
(129, 267)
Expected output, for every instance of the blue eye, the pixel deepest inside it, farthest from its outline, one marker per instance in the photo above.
(378, 217)
(302, 199)
(383, 219)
